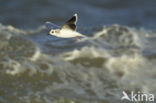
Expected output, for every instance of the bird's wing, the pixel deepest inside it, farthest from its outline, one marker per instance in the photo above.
(71, 23)
(50, 25)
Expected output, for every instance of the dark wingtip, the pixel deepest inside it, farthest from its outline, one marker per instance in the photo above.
(73, 19)
(71, 23)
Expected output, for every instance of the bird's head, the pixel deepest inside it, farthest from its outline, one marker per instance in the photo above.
(54, 32)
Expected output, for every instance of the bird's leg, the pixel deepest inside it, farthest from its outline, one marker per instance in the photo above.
(77, 37)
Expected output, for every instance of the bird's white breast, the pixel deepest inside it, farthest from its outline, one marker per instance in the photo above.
(68, 34)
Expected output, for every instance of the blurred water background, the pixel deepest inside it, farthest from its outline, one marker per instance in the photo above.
(119, 55)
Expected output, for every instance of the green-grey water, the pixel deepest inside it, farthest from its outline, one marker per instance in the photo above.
(93, 70)
(38, 68)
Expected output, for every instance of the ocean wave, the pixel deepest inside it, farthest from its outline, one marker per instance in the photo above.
(98, 68)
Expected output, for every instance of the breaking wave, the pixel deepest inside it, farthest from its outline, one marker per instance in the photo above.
(39, 68)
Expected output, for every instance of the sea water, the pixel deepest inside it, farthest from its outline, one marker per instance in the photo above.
(39, 68)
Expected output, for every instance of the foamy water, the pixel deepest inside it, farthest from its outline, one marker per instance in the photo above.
(37, 68)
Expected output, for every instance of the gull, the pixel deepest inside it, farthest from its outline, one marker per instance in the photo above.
(67, 30)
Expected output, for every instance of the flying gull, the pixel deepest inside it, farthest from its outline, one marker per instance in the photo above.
(68, 30)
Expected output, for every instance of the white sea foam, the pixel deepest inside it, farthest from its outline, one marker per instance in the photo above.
(36, 55)
(100, 69)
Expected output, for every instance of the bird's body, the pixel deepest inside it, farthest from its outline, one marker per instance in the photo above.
(68, 34)
(68, 30)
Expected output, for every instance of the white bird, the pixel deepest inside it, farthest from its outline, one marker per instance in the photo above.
(68, 30)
